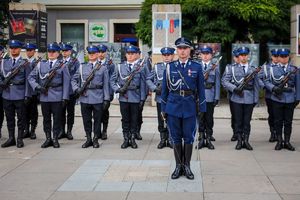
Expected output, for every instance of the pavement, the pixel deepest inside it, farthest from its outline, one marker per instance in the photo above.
(144, 173)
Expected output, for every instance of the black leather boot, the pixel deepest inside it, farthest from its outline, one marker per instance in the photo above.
(169, 143)
(48, 141)
(26, 133)
(188, 149)
(11, 141)
(69, 133)
(287, 145)
(212, 138)
(20, 142)
(273, 135)
(138, 134)
(126, 141)
(279, 145)
(88, 142)
(132, 142)
(55, 141)
(178, 159)
(234, 137)
(62, 134)
(246, 143)
(239, 142)
(32, 132)
(162, 142)
(104, 132)
(95, 142)
(208, 142)
(201, 142)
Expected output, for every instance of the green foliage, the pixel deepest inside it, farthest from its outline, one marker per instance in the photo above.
(226, 21)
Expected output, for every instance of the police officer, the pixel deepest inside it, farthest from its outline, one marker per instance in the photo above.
(95, 97)
(284, 99)
(54, 95)
(69, 109)
(1, 99)
(212, 95)
(15, 92)
(154, 82)
(110, 67)
(263, 75)
(243, 100)
(235, 55)
(182, 80)
(31, 110)
(131, 98)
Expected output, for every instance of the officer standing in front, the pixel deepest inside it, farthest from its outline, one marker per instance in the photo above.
(31, 109)
(243, 100)
(285, 97)
(182, 80)
(131, 98)
(68, 113)
(154, 82)
(95, 97)
(212, 95)
(264, 75)
(102, 57)
(54, 95)
(15, 91)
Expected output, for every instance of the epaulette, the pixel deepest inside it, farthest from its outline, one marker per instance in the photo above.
(159, 63)
(197, 61)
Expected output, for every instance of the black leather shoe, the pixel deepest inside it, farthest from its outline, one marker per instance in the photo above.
(278, 146)
(161, 144)
(209, 144)
(88, 143)
(239, 145)
(55, 143)
(247, 146)
(125, 144)
(212, 138)
(288, 146)
(138, 136)
(9, 142)
(47, 143)
(32, 135)
(272, 138)
(104, 135)
(20, 143)
(177, 172)
(133, 143)
(69, 135)
(188, 172)
(96, 143)
(61, 135)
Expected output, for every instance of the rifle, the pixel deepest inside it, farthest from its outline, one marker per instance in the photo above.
(158, 89)
(285, 80)
(214, 66)
(89, 79)
(3, 55)
(248, 78)
(51, 75)
(131, 75)
(13, 73)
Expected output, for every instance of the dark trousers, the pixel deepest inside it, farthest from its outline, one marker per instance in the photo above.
(244, 113)
(68, 113)
(160, 120)
(31, 111)
(232, 115)
(130, 113)
(49, 109)
(140, 119)
(283, 117)
(208, 119)
(89, 113)
(182, 129)
(269, 103)
(1, 112)
(11, 108)
(105, 116)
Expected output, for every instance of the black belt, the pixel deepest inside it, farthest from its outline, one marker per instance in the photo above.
(184, 93)
(209, 85)
(248, 87)
(55, 85)
(287, 89)
(17, 83)
(95, 87)
(132, 87)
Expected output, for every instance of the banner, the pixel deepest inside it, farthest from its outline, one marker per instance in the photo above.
(29, 26)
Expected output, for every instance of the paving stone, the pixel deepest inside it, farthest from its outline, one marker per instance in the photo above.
(237, 196)
(286, 184)
(88, 195)
(165, 195)
(149, 187)
(185, 186)
(290, 196)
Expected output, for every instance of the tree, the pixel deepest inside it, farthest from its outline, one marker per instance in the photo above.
(226, 21)
(4, 13)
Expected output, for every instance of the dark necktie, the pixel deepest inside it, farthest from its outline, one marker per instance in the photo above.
(182, 65)
(244, 69)
(205, 67)
(92, 66)
(51, 63)
(130, 67)
(14, 62)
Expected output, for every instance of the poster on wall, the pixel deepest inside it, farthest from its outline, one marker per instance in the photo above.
(98, 31)
(29, 26)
